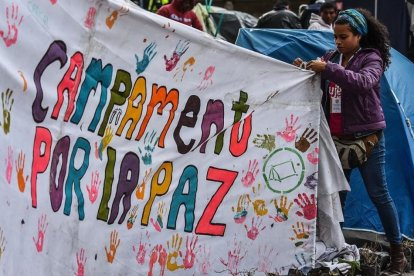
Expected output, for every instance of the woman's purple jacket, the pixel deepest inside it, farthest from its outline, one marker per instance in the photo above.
(360, 83)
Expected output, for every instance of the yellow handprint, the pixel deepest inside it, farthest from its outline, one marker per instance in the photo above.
(140, 193)
(259, 205)
(241, 209)
(2, 243)
(104, 142)
(174, 252)
(281, 211)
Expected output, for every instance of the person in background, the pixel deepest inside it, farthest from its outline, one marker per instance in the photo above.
(279, 18)
(181, 11)
(228, 5)
(351, 83)
(323, 21)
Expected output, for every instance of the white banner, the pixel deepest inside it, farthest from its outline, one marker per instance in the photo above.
(136, 145)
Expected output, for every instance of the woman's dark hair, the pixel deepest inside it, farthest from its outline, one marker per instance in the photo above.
(377, 37)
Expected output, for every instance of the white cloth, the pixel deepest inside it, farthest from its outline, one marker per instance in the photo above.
(331, 181)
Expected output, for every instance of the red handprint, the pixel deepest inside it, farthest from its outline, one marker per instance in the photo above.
(81, 260)
(180, 49)
(289, 133)
(41, 230)
(189, 258)
(13, 22)
(93, 189)
(309, 209)
(254, 231)
(251, 174)
(234, 258)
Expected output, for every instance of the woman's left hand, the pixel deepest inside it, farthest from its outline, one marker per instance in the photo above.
(316, 65)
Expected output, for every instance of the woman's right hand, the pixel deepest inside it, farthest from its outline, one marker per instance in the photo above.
(298, 62)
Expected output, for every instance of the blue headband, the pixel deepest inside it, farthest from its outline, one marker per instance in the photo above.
(355, 19)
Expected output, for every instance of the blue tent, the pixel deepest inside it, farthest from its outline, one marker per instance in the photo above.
(397, 95)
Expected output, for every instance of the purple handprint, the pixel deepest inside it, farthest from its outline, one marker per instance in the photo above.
(13, 23)
(251, 174)
(180, 49)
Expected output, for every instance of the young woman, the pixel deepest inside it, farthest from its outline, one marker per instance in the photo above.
(351, 82)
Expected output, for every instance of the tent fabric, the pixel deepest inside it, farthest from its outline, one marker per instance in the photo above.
(398, 104)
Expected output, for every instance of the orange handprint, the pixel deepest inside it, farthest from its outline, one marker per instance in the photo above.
(140, 192)
(174, 253)
(282, 211)
(300, 234)
(21, 180)
(111, 19)
(113, 246)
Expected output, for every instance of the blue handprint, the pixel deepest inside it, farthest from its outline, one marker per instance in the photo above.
(149, 146)
(149, 54)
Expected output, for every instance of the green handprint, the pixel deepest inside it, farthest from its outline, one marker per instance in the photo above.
(265, 141)
(149, 145)
(7, 104)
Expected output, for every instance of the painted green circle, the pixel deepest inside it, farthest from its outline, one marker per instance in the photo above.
(302, 174)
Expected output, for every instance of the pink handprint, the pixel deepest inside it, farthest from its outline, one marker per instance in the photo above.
(13, 22)
(309, 209)
(9, 164)
(207, 79)
(251, 174)
(141, 251)
(313, 156)
(265, 259)
(289, 133)
(254, 231)
(53, 2)
(81, 260)
(41, 230)
(204, 260)
(93, 189)
(234, 258)
(90, 18)
(189, 258)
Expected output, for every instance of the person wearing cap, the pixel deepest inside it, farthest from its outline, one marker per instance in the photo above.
(351, 77)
